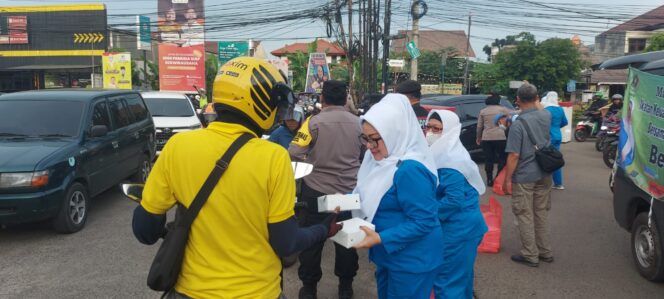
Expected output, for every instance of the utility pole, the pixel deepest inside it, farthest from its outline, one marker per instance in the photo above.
(349, 58)
(416, 40)
(443, 63)
(465, 73)
(386, 41)
(376, 37)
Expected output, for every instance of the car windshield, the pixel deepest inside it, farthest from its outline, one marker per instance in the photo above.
(165, 107)
(40, 118)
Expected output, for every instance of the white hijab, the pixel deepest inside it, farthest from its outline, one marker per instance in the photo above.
(448, 152)
(395, 121)
(551, 99)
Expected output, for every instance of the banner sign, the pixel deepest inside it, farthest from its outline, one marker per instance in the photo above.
(641, 147)
(317, 73)
(117, 70)
(17, 31)
(144, 40)
(182, 45)
(453, 89)
(230, 50)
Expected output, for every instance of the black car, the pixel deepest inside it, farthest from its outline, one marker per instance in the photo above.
(631, 205)
(468, 108)
(61, 148)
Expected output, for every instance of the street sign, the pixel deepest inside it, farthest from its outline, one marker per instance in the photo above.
(144, 38)
(397, 63)
(571, 86)
(413, 50)
(88, 38)
(230, 50)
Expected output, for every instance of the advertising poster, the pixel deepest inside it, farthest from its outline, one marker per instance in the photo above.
(117, 70)
(641, 146)
(317, 73)
(181, 27)
(453, 89)
(230, 50)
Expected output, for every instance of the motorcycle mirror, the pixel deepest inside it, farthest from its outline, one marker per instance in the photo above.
(133, 191)
(301, 169)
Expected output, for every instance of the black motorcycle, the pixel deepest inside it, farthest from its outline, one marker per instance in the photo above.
(610, 150)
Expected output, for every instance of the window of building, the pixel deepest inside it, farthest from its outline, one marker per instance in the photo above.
(636, 45)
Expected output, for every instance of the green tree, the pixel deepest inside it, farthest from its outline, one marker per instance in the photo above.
(509, 41)
(656, 43)
(548, 64)
(211, 69)
(153, 75)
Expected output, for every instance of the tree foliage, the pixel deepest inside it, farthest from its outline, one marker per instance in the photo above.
(211, 69)
(549, 65)
(656, 43)
(509, 40)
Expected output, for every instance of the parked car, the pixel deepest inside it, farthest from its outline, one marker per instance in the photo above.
(172, 113)
(61, 148)
(468, 108)
(631, 205)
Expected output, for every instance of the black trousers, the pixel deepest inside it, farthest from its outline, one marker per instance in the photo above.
(494, 152)
(345, 261)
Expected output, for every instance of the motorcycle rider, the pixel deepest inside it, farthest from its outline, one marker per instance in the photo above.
(285, 133)
(594, 112)
(614, 108)
(248, 221)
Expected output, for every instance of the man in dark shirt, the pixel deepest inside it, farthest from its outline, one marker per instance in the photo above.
(413, 91)
(330, 141)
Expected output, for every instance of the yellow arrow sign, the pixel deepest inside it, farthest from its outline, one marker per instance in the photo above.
(91, 37)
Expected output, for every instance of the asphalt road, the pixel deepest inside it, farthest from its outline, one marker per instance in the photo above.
(593, 258)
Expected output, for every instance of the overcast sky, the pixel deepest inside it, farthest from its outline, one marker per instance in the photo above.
(482, 32)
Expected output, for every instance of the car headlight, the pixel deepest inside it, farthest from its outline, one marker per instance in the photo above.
(604, 128)
(24, 179)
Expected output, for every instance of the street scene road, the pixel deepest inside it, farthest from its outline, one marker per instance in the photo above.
(592, 254)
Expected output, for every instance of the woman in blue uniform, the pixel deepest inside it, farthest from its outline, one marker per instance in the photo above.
(397, 183)
(459, 212)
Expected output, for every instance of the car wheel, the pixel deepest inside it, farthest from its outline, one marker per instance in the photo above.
(73, 211)
(647, 248)
(580, 135)
(144, 167)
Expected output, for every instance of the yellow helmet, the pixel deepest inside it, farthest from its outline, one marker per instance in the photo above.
(254, 88)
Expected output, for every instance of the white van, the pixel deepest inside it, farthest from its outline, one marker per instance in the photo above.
(172, 112)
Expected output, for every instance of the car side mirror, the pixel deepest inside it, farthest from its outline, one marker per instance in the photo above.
(98, 131)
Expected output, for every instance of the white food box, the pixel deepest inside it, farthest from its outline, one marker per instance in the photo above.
(347, 202)
(351, 233)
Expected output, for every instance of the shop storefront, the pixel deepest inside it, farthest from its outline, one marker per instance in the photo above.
(46, 47)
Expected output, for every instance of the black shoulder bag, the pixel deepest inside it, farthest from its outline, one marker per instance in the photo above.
(548, 157)
(167, 262)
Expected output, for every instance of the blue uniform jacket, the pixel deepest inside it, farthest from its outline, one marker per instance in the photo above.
(459, 207)
(282, 136)
(407, 222)
(558, 120)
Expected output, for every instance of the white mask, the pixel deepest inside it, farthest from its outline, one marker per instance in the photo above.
(502, 127)
(433, 137)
